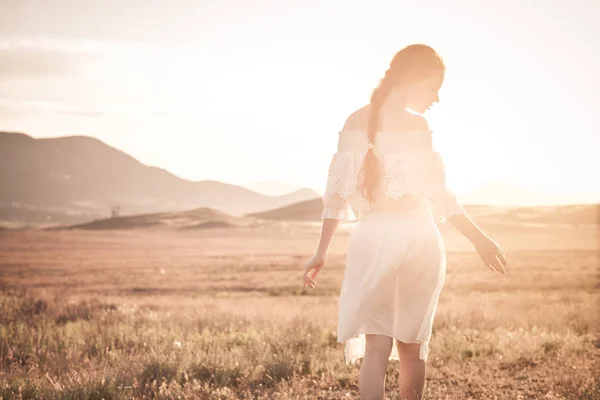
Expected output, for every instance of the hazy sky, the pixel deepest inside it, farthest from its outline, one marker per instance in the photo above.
(247, 91)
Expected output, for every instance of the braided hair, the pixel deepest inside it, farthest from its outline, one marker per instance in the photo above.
(411, 62)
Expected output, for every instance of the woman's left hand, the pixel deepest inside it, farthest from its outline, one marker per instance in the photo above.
(491, 254)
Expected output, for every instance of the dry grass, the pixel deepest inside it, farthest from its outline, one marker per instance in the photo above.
(221, 314)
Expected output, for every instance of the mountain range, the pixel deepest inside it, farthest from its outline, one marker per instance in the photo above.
(77, 178)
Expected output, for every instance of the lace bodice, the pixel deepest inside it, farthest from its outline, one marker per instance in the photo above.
(412, 174)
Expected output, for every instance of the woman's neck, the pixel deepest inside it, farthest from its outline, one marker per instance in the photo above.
(397, 119)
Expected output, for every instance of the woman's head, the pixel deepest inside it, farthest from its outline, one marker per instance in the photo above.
(415, 74)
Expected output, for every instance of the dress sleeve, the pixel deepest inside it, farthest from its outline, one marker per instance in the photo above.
(447, 206)
(341, 185)
(444, 200)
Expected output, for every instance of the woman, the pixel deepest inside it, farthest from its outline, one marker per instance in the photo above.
(385, 169)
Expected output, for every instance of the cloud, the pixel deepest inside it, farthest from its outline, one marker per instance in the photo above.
(83, 78)
(28, 58)
(27, 63)
(29, 108)
(42, 57)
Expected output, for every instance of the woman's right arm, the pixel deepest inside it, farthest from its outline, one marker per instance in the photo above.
(317, 262)
(341, 180)
(335, 209)
(328, 228)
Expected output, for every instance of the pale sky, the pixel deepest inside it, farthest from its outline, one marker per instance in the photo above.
(248, 91)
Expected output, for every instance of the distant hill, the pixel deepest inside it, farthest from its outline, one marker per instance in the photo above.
(77, 178)
(308, 210)
(200, 218)
(586, 214)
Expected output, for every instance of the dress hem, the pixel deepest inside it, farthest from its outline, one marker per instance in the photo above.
(394, 355)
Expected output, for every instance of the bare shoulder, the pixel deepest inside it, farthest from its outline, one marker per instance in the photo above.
(415, 122)
(357, 121)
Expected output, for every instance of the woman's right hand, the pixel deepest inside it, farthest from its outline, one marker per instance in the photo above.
(312, 269)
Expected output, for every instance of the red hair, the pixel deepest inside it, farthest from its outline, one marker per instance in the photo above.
(414, 61)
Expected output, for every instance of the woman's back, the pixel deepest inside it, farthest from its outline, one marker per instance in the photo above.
(412, 174)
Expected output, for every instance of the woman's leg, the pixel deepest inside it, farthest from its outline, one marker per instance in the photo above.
(412, 371)
(373, 368)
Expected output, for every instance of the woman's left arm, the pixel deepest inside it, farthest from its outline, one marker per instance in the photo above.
(448, 208)
(489, 251)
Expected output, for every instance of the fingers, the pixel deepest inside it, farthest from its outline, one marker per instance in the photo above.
(497, 264)
(311, 270)
(502, 256)
(308, 281)
(315, 272)
(502, 262)
(494, 263)
(501, 251)
(485, 257)
(489, 265)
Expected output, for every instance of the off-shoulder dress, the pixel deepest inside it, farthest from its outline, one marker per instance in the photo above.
(395, 262)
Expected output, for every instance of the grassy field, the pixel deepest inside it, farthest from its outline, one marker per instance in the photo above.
(222, 314)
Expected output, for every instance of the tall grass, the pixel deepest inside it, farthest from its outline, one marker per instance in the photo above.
(54, 349)
(236, 324)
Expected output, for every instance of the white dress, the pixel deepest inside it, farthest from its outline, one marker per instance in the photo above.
(395, 263)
